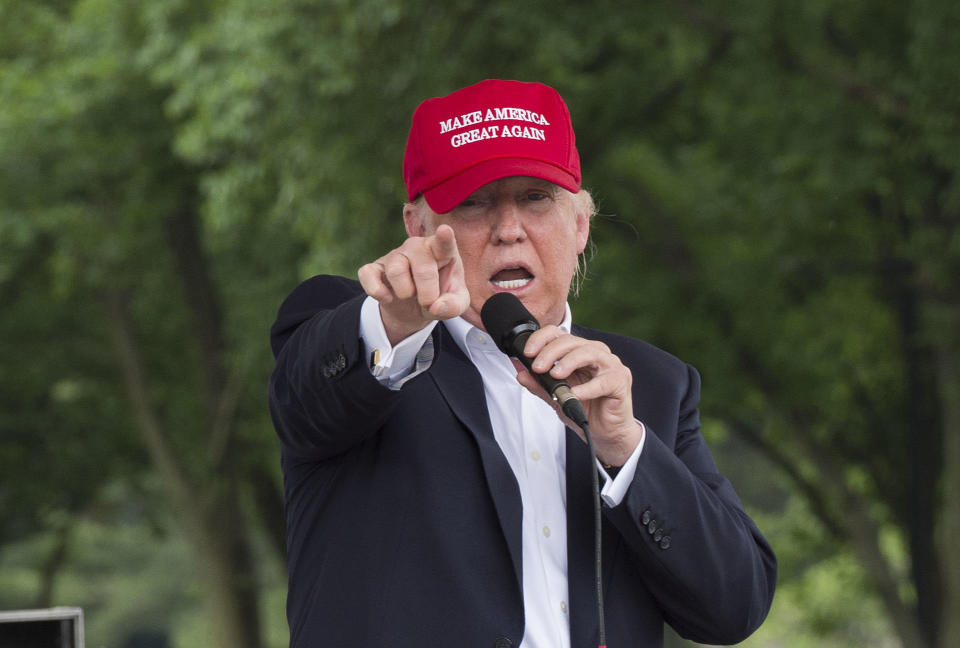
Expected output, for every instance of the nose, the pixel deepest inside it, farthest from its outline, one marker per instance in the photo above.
(508, 223)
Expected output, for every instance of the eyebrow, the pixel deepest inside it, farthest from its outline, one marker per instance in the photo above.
(537, 183)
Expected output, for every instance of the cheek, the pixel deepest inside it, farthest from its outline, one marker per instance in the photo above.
(561, 258)
(473, 267)
(471, 263)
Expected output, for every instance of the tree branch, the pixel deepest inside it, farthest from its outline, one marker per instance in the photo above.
(864, 534)
(133, 370)
(183, 236)
(54, 562)
(814, 491)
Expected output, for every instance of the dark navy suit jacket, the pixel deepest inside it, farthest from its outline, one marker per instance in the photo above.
(403, 515)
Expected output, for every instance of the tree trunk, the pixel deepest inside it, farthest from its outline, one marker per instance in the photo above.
(208, 510)
(948, 366)
(54, 563)
(918, 503)
(220, 542)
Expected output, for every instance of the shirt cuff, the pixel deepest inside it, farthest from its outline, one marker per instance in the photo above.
(389, 364)
(614, 488)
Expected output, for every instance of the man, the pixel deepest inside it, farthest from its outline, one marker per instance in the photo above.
(434, 496)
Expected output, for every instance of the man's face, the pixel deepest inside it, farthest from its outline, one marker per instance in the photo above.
(520, 235)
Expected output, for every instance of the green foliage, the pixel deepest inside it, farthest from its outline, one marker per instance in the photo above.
(779, 198)
(131, 579)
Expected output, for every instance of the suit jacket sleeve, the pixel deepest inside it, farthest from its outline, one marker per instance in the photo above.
(698, 552)
(323, 398)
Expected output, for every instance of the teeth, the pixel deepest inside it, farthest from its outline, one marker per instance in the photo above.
(513, 283)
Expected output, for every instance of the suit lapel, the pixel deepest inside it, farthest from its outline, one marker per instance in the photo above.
(460, 383)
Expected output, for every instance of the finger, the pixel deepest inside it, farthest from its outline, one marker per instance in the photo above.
(425, 274)
(527, 380)
(611, 385)
(565, 359)
(451, 304)
(548, 345)
(396, 270)
(443, 245)
(541, 338)
(373, 283)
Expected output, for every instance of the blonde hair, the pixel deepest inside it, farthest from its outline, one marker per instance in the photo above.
(584, 202)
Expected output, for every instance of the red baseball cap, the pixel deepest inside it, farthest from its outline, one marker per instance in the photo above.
(493, 129)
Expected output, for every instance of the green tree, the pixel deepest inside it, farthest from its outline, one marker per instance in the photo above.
(97, 198)
(780, 184)
(794, 199)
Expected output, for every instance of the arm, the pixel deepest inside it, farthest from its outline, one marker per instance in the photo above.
(697, 551)
(715, 575)
(323, 398)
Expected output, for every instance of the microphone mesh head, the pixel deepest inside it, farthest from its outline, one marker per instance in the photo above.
(501, 313)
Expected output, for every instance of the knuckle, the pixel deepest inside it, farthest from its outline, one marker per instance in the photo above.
(370, 279)
(396, 266)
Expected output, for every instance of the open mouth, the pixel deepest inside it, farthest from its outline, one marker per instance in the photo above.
(511, 278)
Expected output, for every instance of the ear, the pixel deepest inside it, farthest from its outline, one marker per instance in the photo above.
(416, 218)
(583, 227)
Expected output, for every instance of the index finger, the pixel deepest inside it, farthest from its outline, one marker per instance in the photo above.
(443, 244)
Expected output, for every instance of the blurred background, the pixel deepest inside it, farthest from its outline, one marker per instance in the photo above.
(780, 206)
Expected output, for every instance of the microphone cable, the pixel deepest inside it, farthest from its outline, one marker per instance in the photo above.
(573, 408)
(597, 535)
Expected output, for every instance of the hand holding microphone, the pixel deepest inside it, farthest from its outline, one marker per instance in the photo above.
(603, 384)
(510, 324)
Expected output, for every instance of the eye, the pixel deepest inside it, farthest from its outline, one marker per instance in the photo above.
(472, 208)
(536, 200)
(475, 200)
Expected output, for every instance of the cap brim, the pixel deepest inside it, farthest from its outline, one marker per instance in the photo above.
(453, 191)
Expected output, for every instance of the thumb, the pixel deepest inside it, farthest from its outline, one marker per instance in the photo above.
(527, 379)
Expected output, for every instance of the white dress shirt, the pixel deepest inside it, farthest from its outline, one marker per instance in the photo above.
(533, 441)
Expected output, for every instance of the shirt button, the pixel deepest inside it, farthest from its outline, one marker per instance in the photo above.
(535, 455)
(563, 606)
(546, 531)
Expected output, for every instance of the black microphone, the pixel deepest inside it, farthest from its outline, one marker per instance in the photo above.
(509, 323)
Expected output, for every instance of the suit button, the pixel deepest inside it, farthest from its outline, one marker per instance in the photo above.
(502, 642)
(651, 527)
(658, 535)
(645, 518)
(665, 542)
